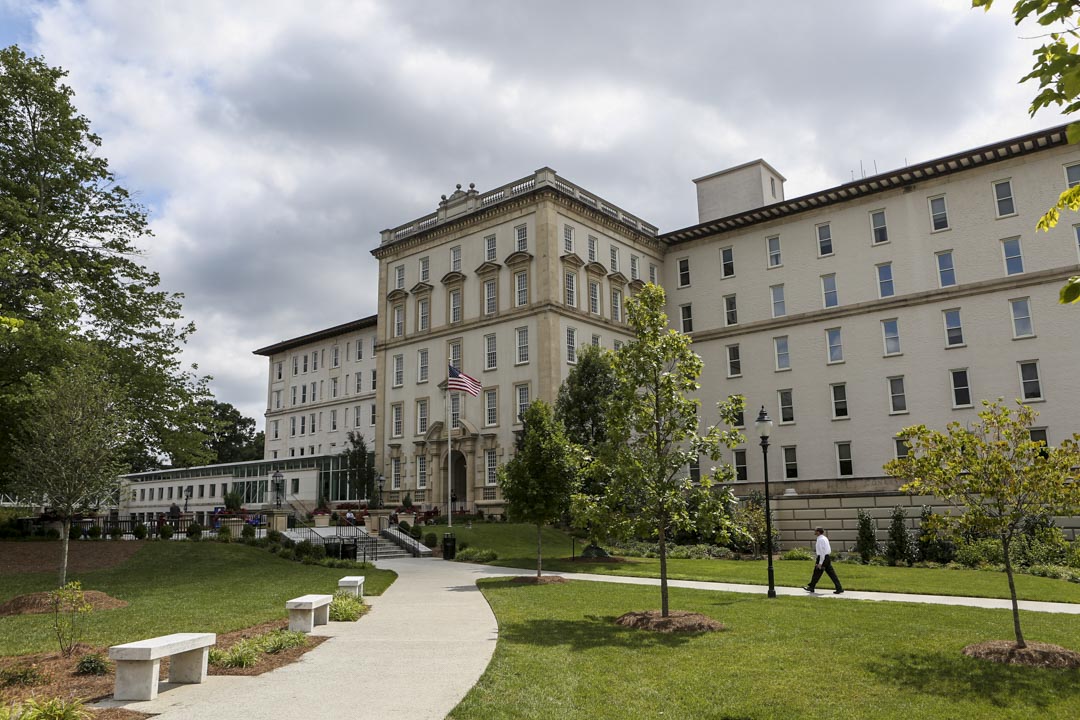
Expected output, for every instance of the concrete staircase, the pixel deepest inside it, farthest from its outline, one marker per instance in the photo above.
(386, 550)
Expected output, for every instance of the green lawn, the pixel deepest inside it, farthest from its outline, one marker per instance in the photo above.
(559, 654)
(516, 546)
(178, 587)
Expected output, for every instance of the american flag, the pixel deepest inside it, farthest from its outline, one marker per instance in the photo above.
(457, 380)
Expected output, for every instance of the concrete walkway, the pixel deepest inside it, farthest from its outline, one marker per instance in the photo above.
(425, 643)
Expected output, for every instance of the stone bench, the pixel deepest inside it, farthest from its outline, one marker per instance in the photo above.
(353, 584)
(138, 664)
(307, 611)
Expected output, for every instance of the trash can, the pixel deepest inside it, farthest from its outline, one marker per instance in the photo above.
(449, 546)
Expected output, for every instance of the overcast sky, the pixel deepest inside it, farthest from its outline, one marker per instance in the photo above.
(272, 141)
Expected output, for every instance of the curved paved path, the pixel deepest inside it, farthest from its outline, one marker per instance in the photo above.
(425, 643)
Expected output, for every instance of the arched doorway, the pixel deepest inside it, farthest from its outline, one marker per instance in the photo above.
(459, 488)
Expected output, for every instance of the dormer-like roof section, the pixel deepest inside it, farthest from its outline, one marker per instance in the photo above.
(370, 321)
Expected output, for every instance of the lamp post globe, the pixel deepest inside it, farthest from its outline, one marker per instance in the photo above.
(764, 425)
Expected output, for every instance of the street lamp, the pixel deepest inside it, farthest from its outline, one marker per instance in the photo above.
(378, 499)
(763, 425)
(187, 496)
(279, 487)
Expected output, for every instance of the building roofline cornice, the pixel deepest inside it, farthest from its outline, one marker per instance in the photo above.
(351, 326)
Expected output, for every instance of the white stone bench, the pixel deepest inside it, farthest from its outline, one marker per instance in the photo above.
(307, 611)
(138, 663)
(353, 584)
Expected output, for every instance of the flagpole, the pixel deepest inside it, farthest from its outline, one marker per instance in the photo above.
(449, 457)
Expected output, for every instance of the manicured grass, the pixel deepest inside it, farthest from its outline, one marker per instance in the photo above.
(178, 587)
(516, 546)
(560, 654)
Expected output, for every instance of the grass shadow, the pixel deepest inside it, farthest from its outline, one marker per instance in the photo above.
(592, 631)
(953, 675)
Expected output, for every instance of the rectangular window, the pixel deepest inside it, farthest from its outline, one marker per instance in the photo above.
(397, 415)
(828, 291)
(652, 273)
(616, 305)
(335, 356)
(303, 424)
(839, 401)
(521, 288)
(421, 472)
(314, 361)
(890, 332)
(686, 316)
(373, 380)
(277, 398)
(491, 297)
(359, 382)
(954, 330)
(734, 361)
(946, 271)
(277, 371)
(491, 468)
(614, 257)
(356, 416)
(835, 344)
(780, 350)
(399, 320)
(727, 262)
(568, 239)
(360, 350)
(455, 259)
(571, 345)
(424, 269)
(372, 415)
(292, 426)
(395, 473)
(897, 396)
(522, 394)
(305, 362)
(961, 388)
(684, 272)
(772, 247)
(885, 280)
(779, 308)
(422, 365)
(455, 306)
(596, 340)
(491, 407)
(1021, 317)
(635, 267)
(900, 447)
(843, 459)
(592, 248)
(333, 387)
(1030, 387)
(787, 406)
(731, 311)
(1003, 198)
(824, 240)
(1014, 258)
(594, 298)
(522, 336)
(939, 214)
(399, 370)
(333, 420)
(455, 353)
(570, 289)
(490, 248)
(303, 394)
(399, 277)
(423, 313)
(491, 355)
(739, 461)
(791, 463)
(276, 430)
(295, 365)
(1072, 175)
(521, 238)
(879, 229)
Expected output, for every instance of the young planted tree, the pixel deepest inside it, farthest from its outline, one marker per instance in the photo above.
(654, 425)
(995, 474)
(359, 465)
(67, 452)
(538, 481)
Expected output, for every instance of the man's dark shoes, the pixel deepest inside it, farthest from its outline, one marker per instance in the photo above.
(808, 589)
(838, 592)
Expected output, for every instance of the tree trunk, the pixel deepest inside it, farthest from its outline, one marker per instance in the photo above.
(64, 536)
(1012, 593)
(539, 561)
(663, 575)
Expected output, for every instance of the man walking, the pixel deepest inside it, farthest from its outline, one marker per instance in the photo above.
(823, 563)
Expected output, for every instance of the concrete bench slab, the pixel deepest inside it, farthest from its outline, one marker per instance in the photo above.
(138, 663)
(353, 584)
(307, 611)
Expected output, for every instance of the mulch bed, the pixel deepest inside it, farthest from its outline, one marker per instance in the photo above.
(542, 580)
(39, 602)
(1036, 654)
(677, 621)
(17, 558)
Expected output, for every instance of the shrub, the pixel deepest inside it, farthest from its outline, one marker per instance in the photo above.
(900, 547)
(53, 709)
(346, 607)
(416, 533)
(94, 532)
(75, 531)
(92, 664)
(977, 553)
(933, 546)
(248, 532)
(243, 654)
(140, 532)
(115, 533)
(70, 608)
(1072, 554)
(404, 526)
(281, 640)
(22, 675)
(318, 552)
(797, 553)
(165, 532)
(52, 534)
(303, 549)
(476, 555)
(431, 540)
(287, 554)
(866, 544)
(274, 536)
(224, 534)
(1039, 542)
(194, 531)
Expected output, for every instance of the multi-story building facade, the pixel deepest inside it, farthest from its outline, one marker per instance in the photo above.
(848, 313)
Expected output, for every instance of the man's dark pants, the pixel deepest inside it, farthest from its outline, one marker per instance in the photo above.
(826, 567)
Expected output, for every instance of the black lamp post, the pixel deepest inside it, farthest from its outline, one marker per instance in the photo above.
(279, 487)
(763, 425)
(378, 499)
(187, 496)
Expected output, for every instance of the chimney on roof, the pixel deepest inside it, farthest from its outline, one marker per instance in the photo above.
(738, 189)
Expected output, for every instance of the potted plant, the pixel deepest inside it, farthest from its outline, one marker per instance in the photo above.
(321, 516)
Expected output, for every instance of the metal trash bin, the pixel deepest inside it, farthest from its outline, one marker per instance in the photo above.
(449, 546)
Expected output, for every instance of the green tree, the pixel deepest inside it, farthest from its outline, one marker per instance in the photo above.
(538, 481)
(750, 520)
(67, 451)
(995, 474)
(70, 270)
(654, 424)
(359, 465)
(1057, 72)
(230, 436)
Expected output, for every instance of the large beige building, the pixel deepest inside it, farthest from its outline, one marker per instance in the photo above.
(848, 313)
